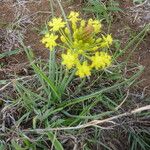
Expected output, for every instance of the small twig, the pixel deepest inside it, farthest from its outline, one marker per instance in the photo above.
(91, 123)
(143, 92)
(12, 81)
(122, 101)
(141, 4)
(137, 13)
(1, 89)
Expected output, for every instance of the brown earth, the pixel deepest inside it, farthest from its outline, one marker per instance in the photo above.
(37, 14)
(135, 18)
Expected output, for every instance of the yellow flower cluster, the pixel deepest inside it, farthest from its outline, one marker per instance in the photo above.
(84, 47)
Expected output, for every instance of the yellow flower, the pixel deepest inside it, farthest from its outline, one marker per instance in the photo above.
(95, 48)
(98, 40)
(49, 40)
(70, 59)
(101, 60)
(76, 34)
(96, 24)
(56, 24)
(83, 70)
(63, 39)
(107, 40)
(83, 43)
(82, 23)
(73, 17)
(67, 31)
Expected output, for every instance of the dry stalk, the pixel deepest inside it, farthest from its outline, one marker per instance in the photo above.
(91, 123)
(11, 81)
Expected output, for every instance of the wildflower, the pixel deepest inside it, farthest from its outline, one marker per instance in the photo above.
(76, 35)
(101, 60)
(82, 41)
(82, 23)
(49, 40)
(95, 48)
(87, 32)
(63, 39)
(106, 41)
(96, 25)
(98, 40)
(70, 59)
(56, 24)
(83, 70)
(73, 17)
(67, 31)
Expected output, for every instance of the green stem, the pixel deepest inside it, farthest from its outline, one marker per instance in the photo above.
(64, 15)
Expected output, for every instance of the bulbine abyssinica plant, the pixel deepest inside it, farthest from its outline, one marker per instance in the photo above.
(83, 44)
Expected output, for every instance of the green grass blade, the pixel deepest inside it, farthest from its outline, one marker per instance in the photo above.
(47, 80)
(17, 146)
(55, 142)
(52, 63)
(108, 89)
(39, 71)
(9, 53)
(2, 147)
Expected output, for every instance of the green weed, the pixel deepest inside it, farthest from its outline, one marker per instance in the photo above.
(102, 10)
